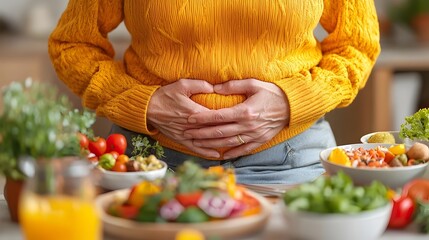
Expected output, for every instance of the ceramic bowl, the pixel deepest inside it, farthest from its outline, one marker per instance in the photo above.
(394, 177)
(408, 142)
(366, 225)
(364, 138)
(111, 180)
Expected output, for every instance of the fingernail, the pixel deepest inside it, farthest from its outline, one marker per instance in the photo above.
(192, 120)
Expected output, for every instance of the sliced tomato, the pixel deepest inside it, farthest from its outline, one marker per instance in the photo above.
(189, 199)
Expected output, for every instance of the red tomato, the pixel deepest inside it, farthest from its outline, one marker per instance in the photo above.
(116, 142)
(97, 146)
(402, 212)
(119, 167)
(83, 140)
(189, 199)
(417, 189)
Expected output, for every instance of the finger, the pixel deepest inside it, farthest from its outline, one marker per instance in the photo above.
(245, 86)
(212, 132)
(192, 86)
(210, 153)
(241, 150)
(237, 113)
(223, 142)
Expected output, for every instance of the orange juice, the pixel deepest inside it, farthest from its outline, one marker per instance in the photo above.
(58, 217)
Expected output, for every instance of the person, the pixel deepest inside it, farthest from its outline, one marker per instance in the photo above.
(238, 83)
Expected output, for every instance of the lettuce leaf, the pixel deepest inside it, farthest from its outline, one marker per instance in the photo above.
(416, 127)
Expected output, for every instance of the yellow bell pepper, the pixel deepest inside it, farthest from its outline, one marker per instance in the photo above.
(139, 192)
(398, 149)
(339, 156)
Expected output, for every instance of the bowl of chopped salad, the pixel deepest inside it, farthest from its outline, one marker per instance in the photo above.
(333, 207)
(392, 164)
(206, 200)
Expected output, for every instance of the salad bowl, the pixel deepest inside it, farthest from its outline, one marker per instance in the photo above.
(394, 177)
(111, 180)
(329, 209)
(223, 229)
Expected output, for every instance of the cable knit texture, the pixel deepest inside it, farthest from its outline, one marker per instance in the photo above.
(217, 41)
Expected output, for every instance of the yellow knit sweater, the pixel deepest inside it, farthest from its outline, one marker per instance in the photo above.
(216, 40)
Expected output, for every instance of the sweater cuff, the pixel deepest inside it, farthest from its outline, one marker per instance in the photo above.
(129, 109)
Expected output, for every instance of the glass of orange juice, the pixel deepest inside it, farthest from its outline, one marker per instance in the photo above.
(57, 202)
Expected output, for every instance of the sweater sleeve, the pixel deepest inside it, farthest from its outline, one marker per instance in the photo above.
(348, 55)
(83, 58)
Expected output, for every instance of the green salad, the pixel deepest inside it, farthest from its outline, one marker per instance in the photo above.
(416, 126)
(336, 194)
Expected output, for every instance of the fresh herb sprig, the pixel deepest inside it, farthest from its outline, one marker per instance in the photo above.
(143, 147)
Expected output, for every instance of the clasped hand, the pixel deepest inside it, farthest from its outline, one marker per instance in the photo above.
(256, 120)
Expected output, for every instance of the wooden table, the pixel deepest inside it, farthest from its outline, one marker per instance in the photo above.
(408, 57)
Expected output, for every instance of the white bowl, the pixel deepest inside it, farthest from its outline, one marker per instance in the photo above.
(394, 177)
(364, 138)
(118, 180)
(408, 142)
(366, 225)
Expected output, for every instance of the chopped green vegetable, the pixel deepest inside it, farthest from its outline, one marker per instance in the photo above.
(192, 215)
(336, 194)
(416, 126)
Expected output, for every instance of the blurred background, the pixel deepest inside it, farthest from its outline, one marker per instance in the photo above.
(397, 87)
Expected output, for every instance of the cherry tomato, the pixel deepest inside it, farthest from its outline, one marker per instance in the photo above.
(97, 146)
(122, 158)
(402, 212)
(119, 167)
(83, 140)
(116, 142)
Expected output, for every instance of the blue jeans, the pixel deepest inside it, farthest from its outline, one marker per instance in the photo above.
(296, 160)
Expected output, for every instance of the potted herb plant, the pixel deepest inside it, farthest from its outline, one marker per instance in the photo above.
(36, 123)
